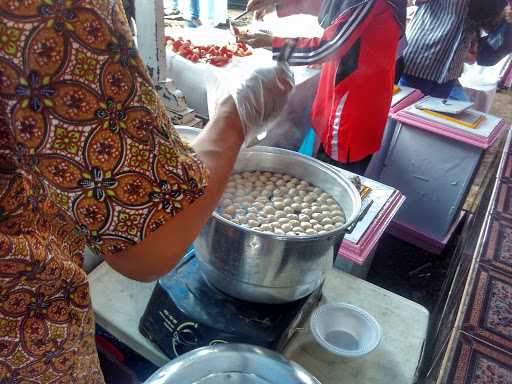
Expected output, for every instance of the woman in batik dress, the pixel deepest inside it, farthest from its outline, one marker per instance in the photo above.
(88, 156)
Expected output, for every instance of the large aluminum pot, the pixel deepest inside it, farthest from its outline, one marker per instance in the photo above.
(269, 268)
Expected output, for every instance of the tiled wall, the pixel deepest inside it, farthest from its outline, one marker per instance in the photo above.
(481, 351)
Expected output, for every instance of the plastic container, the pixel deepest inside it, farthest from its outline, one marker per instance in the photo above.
(345, 330)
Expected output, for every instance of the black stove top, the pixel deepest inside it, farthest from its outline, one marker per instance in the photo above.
(185, 312)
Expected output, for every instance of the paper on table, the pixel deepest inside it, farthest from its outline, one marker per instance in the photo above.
(485, 129)
(380, 195)
(401, 95)
(450, 106)
(468, 118)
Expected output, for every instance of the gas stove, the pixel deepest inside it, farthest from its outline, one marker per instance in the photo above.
(185, 312)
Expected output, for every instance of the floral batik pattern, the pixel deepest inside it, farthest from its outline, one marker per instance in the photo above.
(87, 156)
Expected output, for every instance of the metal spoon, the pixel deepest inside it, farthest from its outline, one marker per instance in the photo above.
(241, 15)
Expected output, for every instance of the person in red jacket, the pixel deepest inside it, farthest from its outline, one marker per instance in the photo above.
(358, 52)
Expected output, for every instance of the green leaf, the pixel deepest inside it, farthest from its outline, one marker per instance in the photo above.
(73, 148)
(10, 48)
(75, 136)
(14, 34)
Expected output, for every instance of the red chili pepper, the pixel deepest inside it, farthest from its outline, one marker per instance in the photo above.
(176, 45)
(219, 61)
(213, 54)
(185, 52)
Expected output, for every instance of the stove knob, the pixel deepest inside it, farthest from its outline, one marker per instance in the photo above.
(186, 337)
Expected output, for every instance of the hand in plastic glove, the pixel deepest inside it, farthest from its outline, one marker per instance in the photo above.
(260, 96)
(257, 40)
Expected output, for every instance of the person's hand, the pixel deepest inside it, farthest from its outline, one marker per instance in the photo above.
(260, 14)
(257, 40)
(508, 14)
(256, 5)
(260, 96)
(261, 7)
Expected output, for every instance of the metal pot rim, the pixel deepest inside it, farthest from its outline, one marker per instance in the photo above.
(190, 132)
(343, 180)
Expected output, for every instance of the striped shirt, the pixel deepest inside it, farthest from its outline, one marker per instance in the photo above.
(341, 20)
(437, 44)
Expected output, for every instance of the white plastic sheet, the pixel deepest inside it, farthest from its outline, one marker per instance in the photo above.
(481, 83)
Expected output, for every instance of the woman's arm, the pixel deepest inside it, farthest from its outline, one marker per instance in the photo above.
(217, 147)
(306, 7)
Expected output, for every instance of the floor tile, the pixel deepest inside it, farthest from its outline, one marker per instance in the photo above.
(507, 172)
(498, 248)
(489, 314)
(476, 362)
(504, 200)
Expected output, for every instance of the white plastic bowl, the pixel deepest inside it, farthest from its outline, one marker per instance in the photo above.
(345, 330)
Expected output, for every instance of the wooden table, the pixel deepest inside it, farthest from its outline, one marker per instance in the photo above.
(119, 304)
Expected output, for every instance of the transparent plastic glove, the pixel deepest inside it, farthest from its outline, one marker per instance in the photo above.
(260, 96)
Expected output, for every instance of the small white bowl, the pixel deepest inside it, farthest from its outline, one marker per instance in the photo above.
(345, 330)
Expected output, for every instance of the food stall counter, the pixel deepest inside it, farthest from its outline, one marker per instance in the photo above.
(396, 359)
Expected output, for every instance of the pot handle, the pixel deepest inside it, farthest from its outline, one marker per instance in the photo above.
(367, 203)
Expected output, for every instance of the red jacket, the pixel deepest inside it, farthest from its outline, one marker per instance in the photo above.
(358, 52)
